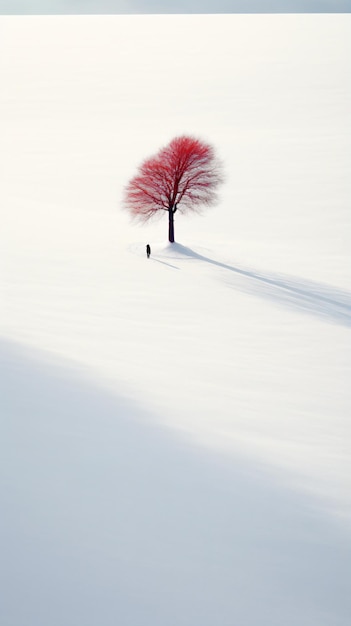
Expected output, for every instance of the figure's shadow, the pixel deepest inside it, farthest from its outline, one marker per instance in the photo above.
(164, 263)
(318, 299)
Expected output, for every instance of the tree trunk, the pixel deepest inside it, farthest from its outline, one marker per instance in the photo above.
(171, 225)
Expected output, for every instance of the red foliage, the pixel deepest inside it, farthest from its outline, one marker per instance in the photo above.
(182, 176)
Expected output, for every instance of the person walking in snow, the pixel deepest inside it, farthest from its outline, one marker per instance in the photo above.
(148, 250)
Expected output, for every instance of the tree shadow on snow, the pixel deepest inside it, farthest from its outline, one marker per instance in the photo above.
(318, 299)
(109, 520)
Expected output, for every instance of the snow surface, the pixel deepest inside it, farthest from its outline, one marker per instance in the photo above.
(175, 435)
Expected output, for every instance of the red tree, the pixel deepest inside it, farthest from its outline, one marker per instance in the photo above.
(182, 176)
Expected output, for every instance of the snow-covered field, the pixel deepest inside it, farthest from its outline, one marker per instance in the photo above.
(175, 432)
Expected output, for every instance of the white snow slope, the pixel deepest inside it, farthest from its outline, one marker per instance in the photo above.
(175, 432)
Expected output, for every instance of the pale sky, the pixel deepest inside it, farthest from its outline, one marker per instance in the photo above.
(19, 7)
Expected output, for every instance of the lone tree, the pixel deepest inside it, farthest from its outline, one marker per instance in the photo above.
(182, 176)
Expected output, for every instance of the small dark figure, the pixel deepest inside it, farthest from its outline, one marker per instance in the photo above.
(148, 250)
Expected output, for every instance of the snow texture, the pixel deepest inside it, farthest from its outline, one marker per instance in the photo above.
(175, 431)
